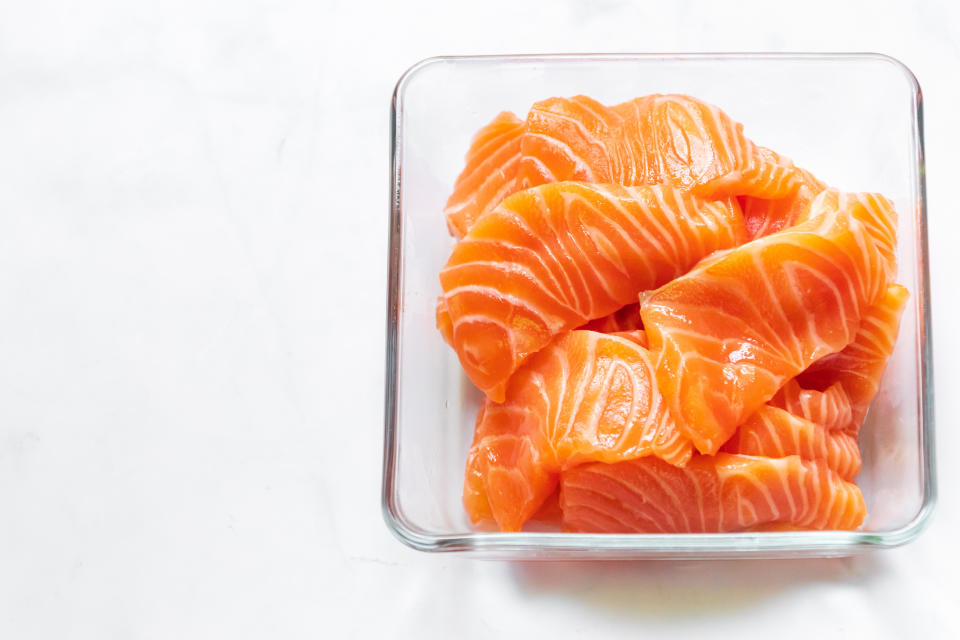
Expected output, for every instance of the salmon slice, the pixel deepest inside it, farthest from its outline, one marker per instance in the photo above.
(588, 396)
(830, 407)
(694, 145)
(734, 329)
(657, 139)
(624, 319)
(490, 173)
(857, 369)
(775, 433)
(712, 494)
(550, 258)
(873, 210)
(763, 216)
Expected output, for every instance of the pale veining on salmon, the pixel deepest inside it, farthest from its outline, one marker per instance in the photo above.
(586, 397)
(552, 257)
(675, 329)
(712, 494)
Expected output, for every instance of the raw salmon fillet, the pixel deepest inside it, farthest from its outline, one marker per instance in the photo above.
(712, 494)
(550, 258)
(657, 139)
(872, 209)
(776, 433)
(490, 174)
(672, 139)
(733, 330)
(586, 397)
(694, 145)
(857, 369)
(830, 407)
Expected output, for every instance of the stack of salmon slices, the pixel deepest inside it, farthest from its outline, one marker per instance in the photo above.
(676, 330)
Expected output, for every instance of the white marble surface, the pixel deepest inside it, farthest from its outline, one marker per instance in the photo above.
(192, 267)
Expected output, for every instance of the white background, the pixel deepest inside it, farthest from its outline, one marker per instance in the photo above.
(193, 211)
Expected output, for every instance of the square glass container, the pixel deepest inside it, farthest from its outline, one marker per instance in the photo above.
(855, 120)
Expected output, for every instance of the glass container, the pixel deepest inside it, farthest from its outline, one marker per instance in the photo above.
(855, 120)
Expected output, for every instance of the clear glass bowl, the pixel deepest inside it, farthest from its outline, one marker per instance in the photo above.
(855, 120)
